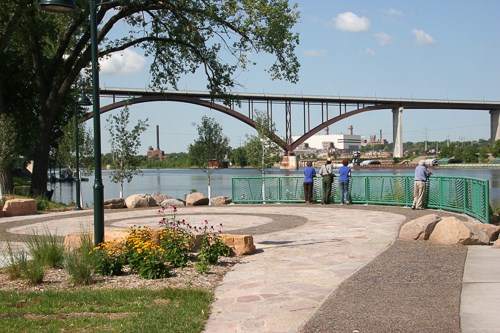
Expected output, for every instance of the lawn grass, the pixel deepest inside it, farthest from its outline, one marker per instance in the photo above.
(113, 310)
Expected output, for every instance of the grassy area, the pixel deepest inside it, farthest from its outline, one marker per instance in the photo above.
(133, 310)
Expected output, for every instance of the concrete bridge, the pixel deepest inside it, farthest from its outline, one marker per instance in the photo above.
(328, 109)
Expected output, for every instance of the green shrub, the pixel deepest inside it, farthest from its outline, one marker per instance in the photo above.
(79, 264)
(46, 249)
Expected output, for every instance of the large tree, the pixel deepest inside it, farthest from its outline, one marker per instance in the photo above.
(181, 36)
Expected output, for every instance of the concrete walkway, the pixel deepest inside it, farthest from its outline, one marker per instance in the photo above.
(279, 288)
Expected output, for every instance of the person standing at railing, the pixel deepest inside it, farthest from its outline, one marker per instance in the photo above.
(420, 184)
(326, 172)
(309, 174)
(344, 176)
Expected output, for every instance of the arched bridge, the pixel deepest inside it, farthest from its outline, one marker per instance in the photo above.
(328, 109)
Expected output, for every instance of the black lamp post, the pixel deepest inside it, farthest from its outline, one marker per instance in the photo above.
(66, 6)
(82, 100)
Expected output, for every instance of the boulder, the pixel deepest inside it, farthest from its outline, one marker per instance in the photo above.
(172, 202)
(496, 244)
(196, 199)
(239, 244)
(140, 201)
(18, 207)
(115, 203)
(220, 201)
(420, 228)
(159, 198)
(450, 231)
(73, 240)
(491, 230)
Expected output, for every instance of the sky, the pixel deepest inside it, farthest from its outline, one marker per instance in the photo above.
(445, 49)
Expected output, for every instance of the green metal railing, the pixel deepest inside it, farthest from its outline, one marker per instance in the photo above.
(458, 194)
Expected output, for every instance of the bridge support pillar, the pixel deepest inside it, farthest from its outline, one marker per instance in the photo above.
(397, 131)
(289, 162)
(495, 125)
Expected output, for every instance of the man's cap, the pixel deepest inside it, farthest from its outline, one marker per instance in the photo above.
(328, 159)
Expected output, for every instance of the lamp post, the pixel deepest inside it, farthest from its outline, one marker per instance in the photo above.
(82, 100)
(66, 6)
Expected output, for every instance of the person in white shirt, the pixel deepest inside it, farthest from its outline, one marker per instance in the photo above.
(326, 172)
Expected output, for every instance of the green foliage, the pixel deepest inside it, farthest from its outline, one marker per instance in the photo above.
(79, 264)
(46, 249)
(210, 145)
(124, 147)
(495, 151)
(261, 152)
(239, 157)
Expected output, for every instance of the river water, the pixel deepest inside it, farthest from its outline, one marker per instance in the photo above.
(179, 182)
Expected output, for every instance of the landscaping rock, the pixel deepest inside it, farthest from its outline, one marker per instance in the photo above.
(196, 199)
(140, 201)
(220, 201)
(159, 198)
(18, 207)
(451, 230)
(491, 230)
(115, 203)
(239, 244)
(172, 202)
(419, 229)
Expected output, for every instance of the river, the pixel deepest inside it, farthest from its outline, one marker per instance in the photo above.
(179, 182)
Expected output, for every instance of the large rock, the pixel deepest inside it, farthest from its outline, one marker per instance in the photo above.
(491, 230)
(496, 244)
(172, 202)
(451, 230)
(420, 228)
(220, 201)
(18, 207)
(140, 201)
(159, 198)
(239, 244)
(196, 199)
(115, 203)
(73, 240)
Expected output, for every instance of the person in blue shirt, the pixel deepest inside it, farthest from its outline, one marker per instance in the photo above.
(309, 174)
(420, 184)
(344, 176)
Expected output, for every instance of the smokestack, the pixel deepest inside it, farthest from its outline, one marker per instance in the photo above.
(350, 130)
(158, 137)
(380, 136)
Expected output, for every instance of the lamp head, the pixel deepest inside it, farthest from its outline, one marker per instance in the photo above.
(58, 6)
(83, 100)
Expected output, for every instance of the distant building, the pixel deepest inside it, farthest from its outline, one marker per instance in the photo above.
(156, 153)
(335, 142)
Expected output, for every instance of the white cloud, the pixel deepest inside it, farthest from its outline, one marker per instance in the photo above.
(383, 38)
(351, 22)
(315, 53)
(123, 62)
(369, 52)
(422, 37)
(393, 12)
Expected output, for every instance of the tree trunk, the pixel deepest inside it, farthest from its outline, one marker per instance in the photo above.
(6, 180)
(39, 177)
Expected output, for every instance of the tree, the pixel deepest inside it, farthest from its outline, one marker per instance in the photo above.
(261, 151)
(8, 142)
(495, 151)
(124, 147)
(210, 147)
(182, 37)
(239, 157)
